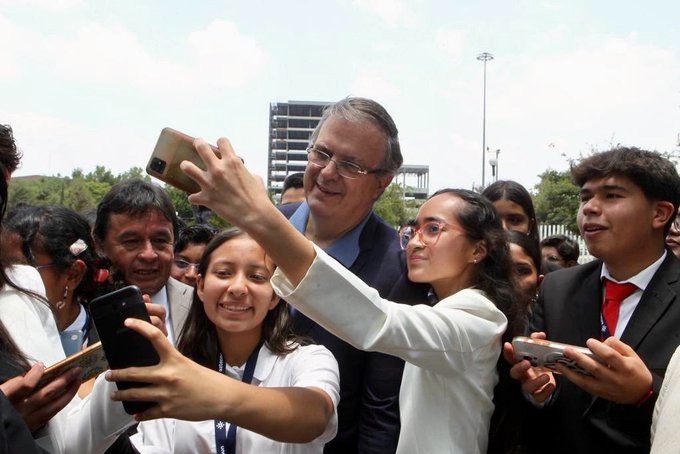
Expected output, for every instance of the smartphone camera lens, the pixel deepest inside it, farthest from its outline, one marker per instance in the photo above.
(157, 165)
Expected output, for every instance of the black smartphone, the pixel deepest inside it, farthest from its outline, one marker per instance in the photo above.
(124, 347)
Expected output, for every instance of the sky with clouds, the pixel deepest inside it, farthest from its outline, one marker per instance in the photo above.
(87, 83)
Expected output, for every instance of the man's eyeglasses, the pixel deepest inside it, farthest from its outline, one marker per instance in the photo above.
(346, 169)
(428, 233)
(184, 265)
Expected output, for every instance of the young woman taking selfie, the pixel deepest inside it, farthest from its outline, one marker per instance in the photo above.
(457, 245)
(278, 396)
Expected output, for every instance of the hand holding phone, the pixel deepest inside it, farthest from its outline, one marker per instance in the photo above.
(172, 148)
(124, 347)
(38, 405)
(545, 354)
(91, 360)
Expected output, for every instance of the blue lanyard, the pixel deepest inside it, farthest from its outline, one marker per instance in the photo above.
(225, 442)
(604, 329)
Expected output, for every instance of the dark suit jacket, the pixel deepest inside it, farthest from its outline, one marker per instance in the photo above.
(568, 310)
(368, 412)
(14, 434)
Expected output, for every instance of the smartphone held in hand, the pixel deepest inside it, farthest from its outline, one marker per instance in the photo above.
(91, 360)
(546, 354)
(124, 347)
(172, 148)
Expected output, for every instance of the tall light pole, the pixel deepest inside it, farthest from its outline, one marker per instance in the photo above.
(485, 57)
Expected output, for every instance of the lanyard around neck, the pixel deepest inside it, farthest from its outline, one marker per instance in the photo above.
(225, 441)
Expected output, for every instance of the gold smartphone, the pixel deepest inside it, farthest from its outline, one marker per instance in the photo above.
(91, 359)
(172, 148)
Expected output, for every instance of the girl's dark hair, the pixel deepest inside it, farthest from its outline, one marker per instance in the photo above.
(56, 233)
(481, 222)
(515, 192)
(198, 338)
(531, 247)
(9, 160)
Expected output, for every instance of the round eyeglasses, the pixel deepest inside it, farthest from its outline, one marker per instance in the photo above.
(428, 233)
(184, 265)
(345, 169)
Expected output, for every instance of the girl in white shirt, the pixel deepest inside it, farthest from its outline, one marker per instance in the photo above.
(457, 245)
(283, 395)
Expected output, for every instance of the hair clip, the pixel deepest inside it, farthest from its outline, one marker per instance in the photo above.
(77, 247)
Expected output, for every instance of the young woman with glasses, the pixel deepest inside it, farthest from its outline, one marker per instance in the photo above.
(457, 245)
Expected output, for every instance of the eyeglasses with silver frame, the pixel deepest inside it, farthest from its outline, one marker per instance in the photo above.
(345, 169)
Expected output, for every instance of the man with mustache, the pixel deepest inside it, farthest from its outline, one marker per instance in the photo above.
(136, 227)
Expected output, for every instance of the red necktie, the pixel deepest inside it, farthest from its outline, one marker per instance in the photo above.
(614, 293)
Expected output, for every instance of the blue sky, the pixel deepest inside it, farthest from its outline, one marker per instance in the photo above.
(93, 83)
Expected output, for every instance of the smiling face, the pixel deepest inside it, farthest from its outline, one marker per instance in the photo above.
(344, 201)
(620, 224)
(140, 247)
(235, 290)
(447, 264)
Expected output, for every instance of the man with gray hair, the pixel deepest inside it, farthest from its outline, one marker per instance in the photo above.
(353, 156)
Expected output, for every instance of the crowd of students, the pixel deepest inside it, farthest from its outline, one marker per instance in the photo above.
(311, 323)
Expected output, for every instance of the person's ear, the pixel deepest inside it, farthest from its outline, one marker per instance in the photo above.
(384, 181)
(275, 300)
(199, 286)
(479, 252)
(539, 279)
(662, 213)
(76, 272)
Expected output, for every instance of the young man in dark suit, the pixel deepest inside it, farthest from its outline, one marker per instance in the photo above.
(628, 201)
(353, 156)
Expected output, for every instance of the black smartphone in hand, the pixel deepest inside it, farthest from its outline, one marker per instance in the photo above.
(124, 347)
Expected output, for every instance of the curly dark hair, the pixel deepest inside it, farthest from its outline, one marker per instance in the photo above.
(649, 170)
(198, 338)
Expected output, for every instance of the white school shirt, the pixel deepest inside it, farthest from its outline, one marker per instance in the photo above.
(84, 425)
(307, 366)
(450, 349)
(161, 297)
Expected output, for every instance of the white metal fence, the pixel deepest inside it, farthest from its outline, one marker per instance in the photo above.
(546, 230)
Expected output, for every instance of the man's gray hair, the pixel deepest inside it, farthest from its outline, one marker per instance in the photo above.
(363, 109)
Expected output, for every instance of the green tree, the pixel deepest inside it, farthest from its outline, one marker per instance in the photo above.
(134, 172)
(393, 208)
(78, 196)
(556, 199)
(182, 205)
